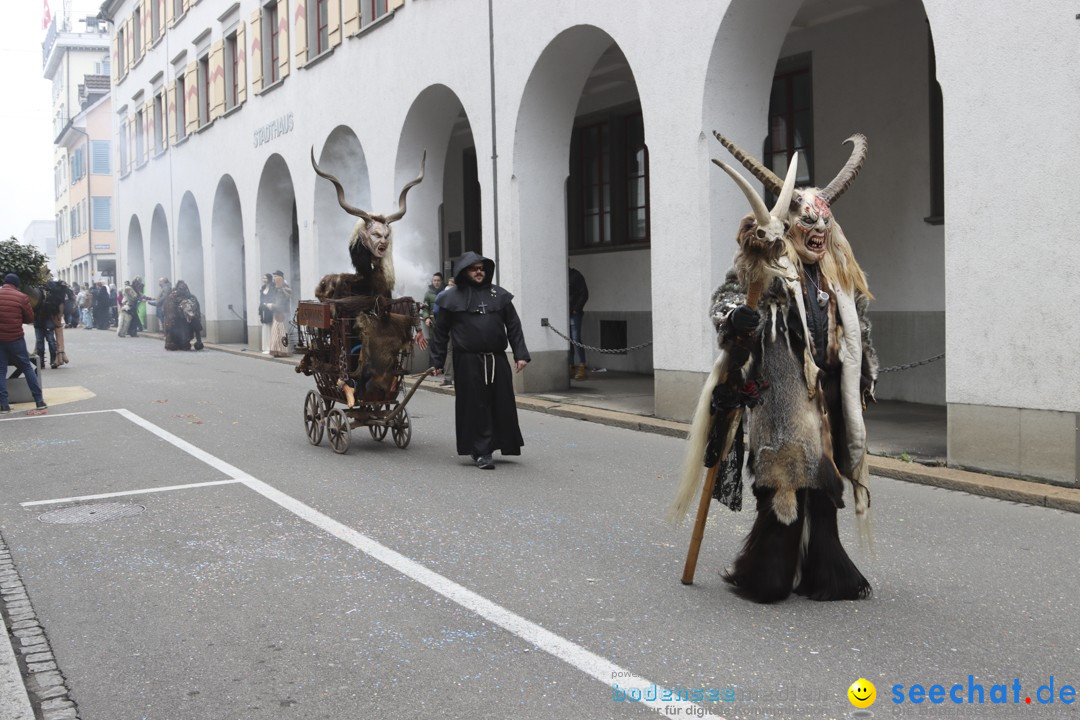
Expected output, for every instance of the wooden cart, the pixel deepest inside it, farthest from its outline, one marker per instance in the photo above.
(331, 356)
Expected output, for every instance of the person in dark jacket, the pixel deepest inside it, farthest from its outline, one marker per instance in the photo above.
(579, 295)
(479, 317)
(14, 313)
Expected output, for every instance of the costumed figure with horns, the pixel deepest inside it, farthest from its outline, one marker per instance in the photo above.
(365, 295)
(795, 370)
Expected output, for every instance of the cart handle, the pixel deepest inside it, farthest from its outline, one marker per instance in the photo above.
(401, 405)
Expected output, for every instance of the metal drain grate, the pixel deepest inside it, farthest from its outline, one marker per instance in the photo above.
(96, 513)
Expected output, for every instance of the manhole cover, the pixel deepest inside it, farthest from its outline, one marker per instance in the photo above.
(98, 512)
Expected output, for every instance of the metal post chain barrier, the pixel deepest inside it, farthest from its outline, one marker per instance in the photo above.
(897, 368)
(607, 351)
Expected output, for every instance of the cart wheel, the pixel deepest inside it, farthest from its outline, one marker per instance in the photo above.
(337, 431)
(313, 417)
(378, 432)
(402, 430)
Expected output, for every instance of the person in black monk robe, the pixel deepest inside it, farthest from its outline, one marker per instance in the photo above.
(480, 319)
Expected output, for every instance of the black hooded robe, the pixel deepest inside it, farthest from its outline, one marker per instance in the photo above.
(481, 319)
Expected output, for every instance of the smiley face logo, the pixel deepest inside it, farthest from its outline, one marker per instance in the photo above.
(862, 693)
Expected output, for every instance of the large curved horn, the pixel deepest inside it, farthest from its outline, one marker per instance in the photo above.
(842, 181)
(783, 202)
(340, 191)
(758, 170)
(761, 213)
(405, 191)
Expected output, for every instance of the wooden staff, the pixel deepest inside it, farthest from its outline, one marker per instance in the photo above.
(753, 295)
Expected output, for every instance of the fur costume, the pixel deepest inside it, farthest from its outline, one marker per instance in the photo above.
(383, 337)
(802, 376)
(183, 319)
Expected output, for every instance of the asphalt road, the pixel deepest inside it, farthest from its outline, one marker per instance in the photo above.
(407, 583)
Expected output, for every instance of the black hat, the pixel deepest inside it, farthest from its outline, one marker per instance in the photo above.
(279, 273)
(11, 279)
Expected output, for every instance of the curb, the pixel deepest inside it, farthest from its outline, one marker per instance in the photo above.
(1002, 488)
(45, 687)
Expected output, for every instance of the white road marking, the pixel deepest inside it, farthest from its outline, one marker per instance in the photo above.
(121, 493)
(50, 414)
(578, 657)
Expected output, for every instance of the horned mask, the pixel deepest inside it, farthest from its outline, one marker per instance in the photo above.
(372, 231)
(809, 225)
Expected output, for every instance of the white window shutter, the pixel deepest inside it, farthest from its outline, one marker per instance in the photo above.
(216, 81)
(241, 66)
(334, 18)
(283, 39)
(300, 32)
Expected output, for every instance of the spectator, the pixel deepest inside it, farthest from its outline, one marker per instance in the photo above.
(267, 293)
(85, 301)
(579, 295)
(279, 338)
(14, 313)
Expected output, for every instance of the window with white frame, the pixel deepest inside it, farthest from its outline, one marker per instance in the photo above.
(140, 137)
(121, 49)
(232, 71)
(181, 112)
(270, 50)
(155, 21)
(318, 25)
(203, 80)
(159, 122)
(124, 166)
(136, 33)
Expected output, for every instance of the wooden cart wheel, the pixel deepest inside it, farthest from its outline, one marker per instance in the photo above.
(337, 431)
(313, 417)
(378, 432)
(402, 430)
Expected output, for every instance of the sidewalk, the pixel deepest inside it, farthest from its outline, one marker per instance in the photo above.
(907, 440)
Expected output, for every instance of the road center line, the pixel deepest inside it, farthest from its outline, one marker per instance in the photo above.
(121, 493)
(587, 662)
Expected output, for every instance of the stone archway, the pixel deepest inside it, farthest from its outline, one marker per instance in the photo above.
(228, 302)
(581, 80)
(343, 157)
(135, 264)
(436, 123)
(276, 228)
(189, 249)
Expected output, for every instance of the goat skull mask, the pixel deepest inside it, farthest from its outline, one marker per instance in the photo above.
(809, 216)
(372, 231)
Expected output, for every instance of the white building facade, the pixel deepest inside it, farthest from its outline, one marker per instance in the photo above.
(568, 133)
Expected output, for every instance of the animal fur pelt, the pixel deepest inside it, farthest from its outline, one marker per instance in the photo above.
(384, 339)
(182, 319)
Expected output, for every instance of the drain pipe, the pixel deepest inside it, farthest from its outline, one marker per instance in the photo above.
(494, 136)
